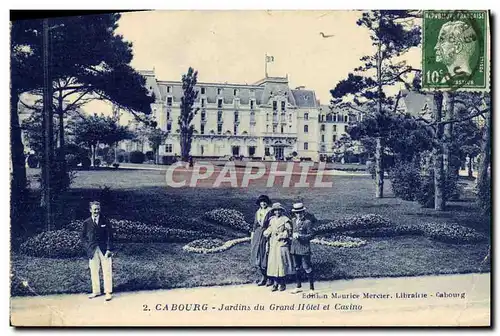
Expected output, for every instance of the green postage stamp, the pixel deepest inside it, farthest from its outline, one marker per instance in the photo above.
(455, 50)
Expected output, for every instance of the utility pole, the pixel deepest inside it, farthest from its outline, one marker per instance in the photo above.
(47, 125)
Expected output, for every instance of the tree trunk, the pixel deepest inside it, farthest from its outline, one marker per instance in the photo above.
(469, 166)
(379, 164)
(379, 169)
(18, 178)
(92, 156)
(448, 97)
(485, 152)
(439, 199)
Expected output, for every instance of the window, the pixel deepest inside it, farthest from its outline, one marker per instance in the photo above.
(169, 101)
(322, 138)
(335, 118)
(252, 104)
(329, 117)
(202, 149)
(219, 103)
(306, 146)
(282, 128)
(203, 91)
(202, 129)
(323, 148)
(235, 129)
(203, 102)
(290, 118)
(267, 128)
(306, 116)
(267, 117)
(283, 117)
(168, 148)
(169, 89)
(323, 127)
(266, 151)
(168, 115)
(275, 105)
(252, 117)
(219, 116)
(306, 129)
(275, 116)
(275, 128)
(335, 128)
(235, 92)
(236, 116)
(169, 127)
(345, 128)
(345, 118)
(203, 115)
(283, 105)
(334, 137)
(219, 129)
(219, 90)
(251, 150)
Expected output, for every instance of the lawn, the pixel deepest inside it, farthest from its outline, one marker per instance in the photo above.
(142, 195)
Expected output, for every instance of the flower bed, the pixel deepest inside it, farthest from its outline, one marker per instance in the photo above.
(339, 241)
(389, 231)
(53, 244)
(132, 231)
(451, 233)
(351, 223)
(205, 246)
(228, 217)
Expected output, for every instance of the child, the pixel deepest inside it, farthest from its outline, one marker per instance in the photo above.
(301, 245)
(259, 242)
(279, 263)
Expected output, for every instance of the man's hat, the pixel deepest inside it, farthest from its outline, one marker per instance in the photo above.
(277, 206)
(298, 207)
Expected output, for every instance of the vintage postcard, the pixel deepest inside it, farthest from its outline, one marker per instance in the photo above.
(251, 168)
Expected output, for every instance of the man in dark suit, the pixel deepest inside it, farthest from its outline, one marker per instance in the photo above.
(300, 248)
(97, 238)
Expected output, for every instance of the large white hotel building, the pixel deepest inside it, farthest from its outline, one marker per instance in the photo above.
(265, 119)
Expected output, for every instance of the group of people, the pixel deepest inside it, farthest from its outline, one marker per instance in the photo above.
(280, 246)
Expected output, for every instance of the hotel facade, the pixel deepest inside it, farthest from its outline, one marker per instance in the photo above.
(265, 120)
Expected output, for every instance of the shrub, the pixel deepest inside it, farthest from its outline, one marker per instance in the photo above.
(32, 161)
(53, 244)
(72, 160)
(228, 217)
(356, 222)
(168, 159)
(451, 233)
(150, 156)
(97, 162)
(85, 162)
(406, 180)
(136, 157)
(425, 196)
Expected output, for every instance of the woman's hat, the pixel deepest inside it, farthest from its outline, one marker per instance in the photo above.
(263, 198)
(298, 207)
(277, 206)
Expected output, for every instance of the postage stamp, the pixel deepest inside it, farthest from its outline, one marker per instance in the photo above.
(241, 168)
(455, 50)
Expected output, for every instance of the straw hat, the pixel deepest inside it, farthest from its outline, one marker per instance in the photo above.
(277, 206)
(298, 207)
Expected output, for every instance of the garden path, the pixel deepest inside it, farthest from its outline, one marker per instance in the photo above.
(128, 309)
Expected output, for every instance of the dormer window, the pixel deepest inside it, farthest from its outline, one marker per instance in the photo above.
(235, 92)
(202, 90)
(169, 89)
(169, 101)
(219, 90)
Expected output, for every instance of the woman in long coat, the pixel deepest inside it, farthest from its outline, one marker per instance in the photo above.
(279, 263)
(259, 242)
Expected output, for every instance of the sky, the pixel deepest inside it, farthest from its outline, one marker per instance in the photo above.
(230, 46)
